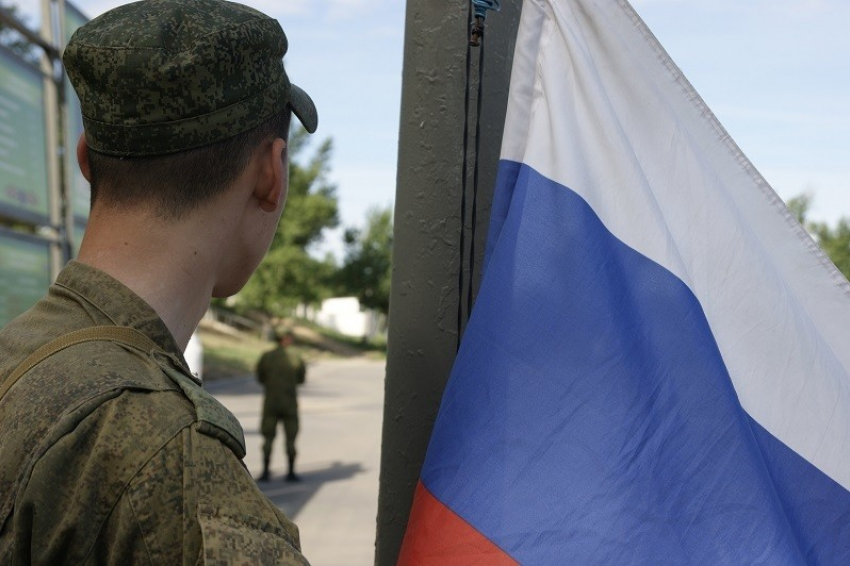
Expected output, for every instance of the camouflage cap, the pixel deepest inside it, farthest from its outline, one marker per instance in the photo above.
(162, 76)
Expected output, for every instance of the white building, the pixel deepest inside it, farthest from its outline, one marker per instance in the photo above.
(346, 316)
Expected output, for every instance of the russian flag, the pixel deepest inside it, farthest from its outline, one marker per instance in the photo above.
(657, 369)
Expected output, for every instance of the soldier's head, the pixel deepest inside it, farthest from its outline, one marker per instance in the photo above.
(176, 97)
(286, 338)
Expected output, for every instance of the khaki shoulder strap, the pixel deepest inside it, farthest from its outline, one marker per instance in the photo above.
(212, 417)
(120, 334)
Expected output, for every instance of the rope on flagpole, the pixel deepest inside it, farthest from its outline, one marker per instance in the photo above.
(475, 18)
(480, 8)
(475, 180)
(463, 187)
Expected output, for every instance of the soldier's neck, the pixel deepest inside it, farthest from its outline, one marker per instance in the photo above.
(163, 264)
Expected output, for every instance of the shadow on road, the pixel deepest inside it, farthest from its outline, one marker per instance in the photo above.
(292, 497)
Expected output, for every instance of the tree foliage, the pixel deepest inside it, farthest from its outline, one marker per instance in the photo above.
(366, 269)
(834, 241)
(289, 275)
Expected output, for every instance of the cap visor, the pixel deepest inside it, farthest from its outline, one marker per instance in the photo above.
(303, 107)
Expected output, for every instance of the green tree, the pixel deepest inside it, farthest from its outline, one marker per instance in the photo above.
(289, 275)
(366, 269)
(834, 241)
(799, 207)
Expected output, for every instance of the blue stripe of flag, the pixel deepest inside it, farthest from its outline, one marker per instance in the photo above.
(590, 417)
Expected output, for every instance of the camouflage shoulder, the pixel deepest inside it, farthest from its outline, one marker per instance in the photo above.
(85, 371)
(246, 540)
(213, 418)
(108, 365)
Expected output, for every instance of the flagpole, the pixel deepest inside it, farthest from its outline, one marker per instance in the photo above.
(426, 250)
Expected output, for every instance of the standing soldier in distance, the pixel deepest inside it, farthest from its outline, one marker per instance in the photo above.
(280, 371)
(110, 451)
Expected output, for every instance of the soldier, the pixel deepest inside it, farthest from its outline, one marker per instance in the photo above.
(110, 450)
(280, 371)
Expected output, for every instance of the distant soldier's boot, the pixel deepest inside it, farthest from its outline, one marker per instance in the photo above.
(291, 475)
(265, 475)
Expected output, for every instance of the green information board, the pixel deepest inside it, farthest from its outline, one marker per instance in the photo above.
(23, 144)
(24, 273)
(77, 184)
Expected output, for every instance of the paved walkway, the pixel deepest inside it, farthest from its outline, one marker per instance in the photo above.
(335, 505)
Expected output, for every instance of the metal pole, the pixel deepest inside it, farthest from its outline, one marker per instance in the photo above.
(69, 161)
(423, 313)
(52, 125)
(30, 36)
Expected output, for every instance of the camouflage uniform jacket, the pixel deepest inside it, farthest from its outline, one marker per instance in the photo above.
(280, 371)
(111, 455)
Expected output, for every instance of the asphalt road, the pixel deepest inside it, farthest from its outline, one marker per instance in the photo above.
(336, 502)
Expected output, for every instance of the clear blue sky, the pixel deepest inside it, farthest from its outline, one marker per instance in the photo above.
(776, 73)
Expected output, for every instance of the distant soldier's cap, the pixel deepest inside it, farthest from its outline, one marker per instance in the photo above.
(162, 76)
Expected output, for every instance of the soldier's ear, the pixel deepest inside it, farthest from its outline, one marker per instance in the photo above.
(273, 179)
(83, 157)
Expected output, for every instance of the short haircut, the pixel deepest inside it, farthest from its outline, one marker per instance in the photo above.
(280, 335)
(176, 184)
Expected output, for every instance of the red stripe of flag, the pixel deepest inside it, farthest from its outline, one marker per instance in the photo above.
(437, 535)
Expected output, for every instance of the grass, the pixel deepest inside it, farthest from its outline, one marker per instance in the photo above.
(376, 345)
(230, 353)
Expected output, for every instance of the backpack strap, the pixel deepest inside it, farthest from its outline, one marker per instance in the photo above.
(212, 417)
(121, 334)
